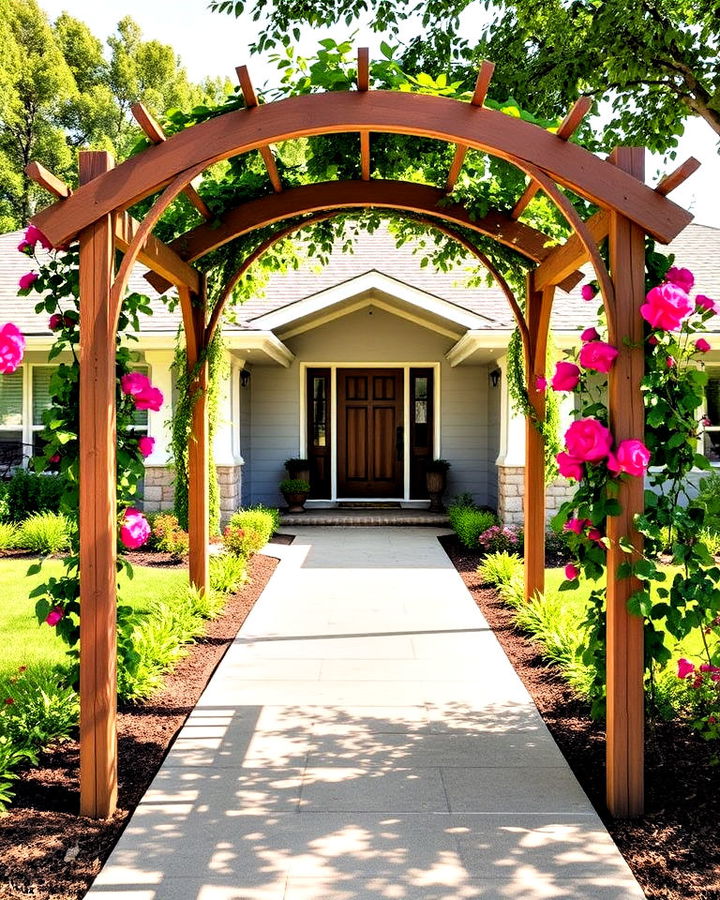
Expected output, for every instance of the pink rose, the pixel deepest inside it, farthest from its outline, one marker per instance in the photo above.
(670, 362)
(146, 445)
(590, 334)
(595, 535)
(56, 322)
(566, 377)
(54, 616)
(571, 572)
(588, 291)
(702, 346)
(682, 278)
(684, 668)
(653, 341)
(24, 247)
(598, 355)
(631, 457)
(570, 467)
(28, 280)
(541, 383)
(577, 526)
(588, 440)
(135, 529)
(666, 307)
(33, 236)
(12, 347)
(703, 302)
(55, 459)
(144, 395)
(706, 667)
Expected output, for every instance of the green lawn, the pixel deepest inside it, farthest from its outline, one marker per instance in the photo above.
(690, 647)
(24, 642)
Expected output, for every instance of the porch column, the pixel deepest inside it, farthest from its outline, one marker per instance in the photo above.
(97, 511)
(625, 637)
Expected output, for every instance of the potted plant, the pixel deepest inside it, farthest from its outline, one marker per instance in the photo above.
(297, 467)
(295, 491)
(436, 481)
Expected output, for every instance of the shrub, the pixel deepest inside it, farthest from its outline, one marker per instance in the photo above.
(258, 523)
(469, 523)
(27, 493)
(8, 536)
(500, 568)
(168, 537)
(711, 539)
(11, 758)
(497, 539)
(45, 533)
(709, 497)
(206, 606)
(44, 708)
(4, 505)
(228, 572)
(294, 486)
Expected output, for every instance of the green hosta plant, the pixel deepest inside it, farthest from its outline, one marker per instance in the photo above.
(44, 707)
(228, 572)
(500, 568)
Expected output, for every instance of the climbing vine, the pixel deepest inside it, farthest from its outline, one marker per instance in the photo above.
(673, 391)
(182, 431)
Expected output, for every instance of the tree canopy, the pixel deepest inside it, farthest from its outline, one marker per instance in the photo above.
(655, 62)
(60, 90)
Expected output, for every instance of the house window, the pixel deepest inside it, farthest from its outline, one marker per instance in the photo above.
(711, 427)
(40, 393)
(11, 420)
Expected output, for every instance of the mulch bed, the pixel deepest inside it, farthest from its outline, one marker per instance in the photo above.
(46, 850)
(674, 849)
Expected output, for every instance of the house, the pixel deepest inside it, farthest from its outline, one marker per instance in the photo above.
(369, 366)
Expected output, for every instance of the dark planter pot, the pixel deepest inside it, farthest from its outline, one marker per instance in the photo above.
(302, 473)
(295, 500)
(436, 483)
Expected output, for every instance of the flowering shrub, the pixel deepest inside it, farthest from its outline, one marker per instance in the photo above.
(168, 537)
(673, 392)
(702, 696)
(12, 348)
(500, 539)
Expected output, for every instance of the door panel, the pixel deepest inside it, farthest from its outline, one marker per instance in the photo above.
(370, 418)
(318, 433)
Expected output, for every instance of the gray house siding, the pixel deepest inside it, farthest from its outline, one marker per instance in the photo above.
(378, 337)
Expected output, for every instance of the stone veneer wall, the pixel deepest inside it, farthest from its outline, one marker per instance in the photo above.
(158, 489)
(511, 493)
(229, 482)
(159, 492)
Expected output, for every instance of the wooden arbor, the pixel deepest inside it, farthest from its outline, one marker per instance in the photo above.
(96, 215)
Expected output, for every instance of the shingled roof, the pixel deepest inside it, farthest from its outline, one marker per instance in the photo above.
(697, 248)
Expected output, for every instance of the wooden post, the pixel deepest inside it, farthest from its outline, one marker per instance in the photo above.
(625, 651)
(98, 525)
(539, 304)
(198, 453)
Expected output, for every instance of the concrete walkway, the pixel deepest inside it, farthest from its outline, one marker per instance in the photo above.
(365, 737)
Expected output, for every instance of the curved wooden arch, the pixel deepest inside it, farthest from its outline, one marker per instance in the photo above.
(334, 195)
(440, 118)
(322, 216)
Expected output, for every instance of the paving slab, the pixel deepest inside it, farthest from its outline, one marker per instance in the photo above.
(365, 737)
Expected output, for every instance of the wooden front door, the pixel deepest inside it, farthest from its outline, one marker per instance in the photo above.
(370, 433)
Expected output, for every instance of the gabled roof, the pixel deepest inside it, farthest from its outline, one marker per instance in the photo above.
(697, 248)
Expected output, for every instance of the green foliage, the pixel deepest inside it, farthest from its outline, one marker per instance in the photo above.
(294, 486)
(30, 492)
(709, 499)
(169, 537)
(11, 758)
(182, 421)
(8, 536)
(264, 521)
(469, 523)
(655, 62)
(45, 533)
(228, 572)
(500, 568)
(44, 708)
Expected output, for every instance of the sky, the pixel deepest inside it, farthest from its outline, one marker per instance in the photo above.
(211, 44)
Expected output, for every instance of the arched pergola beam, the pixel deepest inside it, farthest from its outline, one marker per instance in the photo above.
(332, 195)
(440, 118)
(322, 216)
